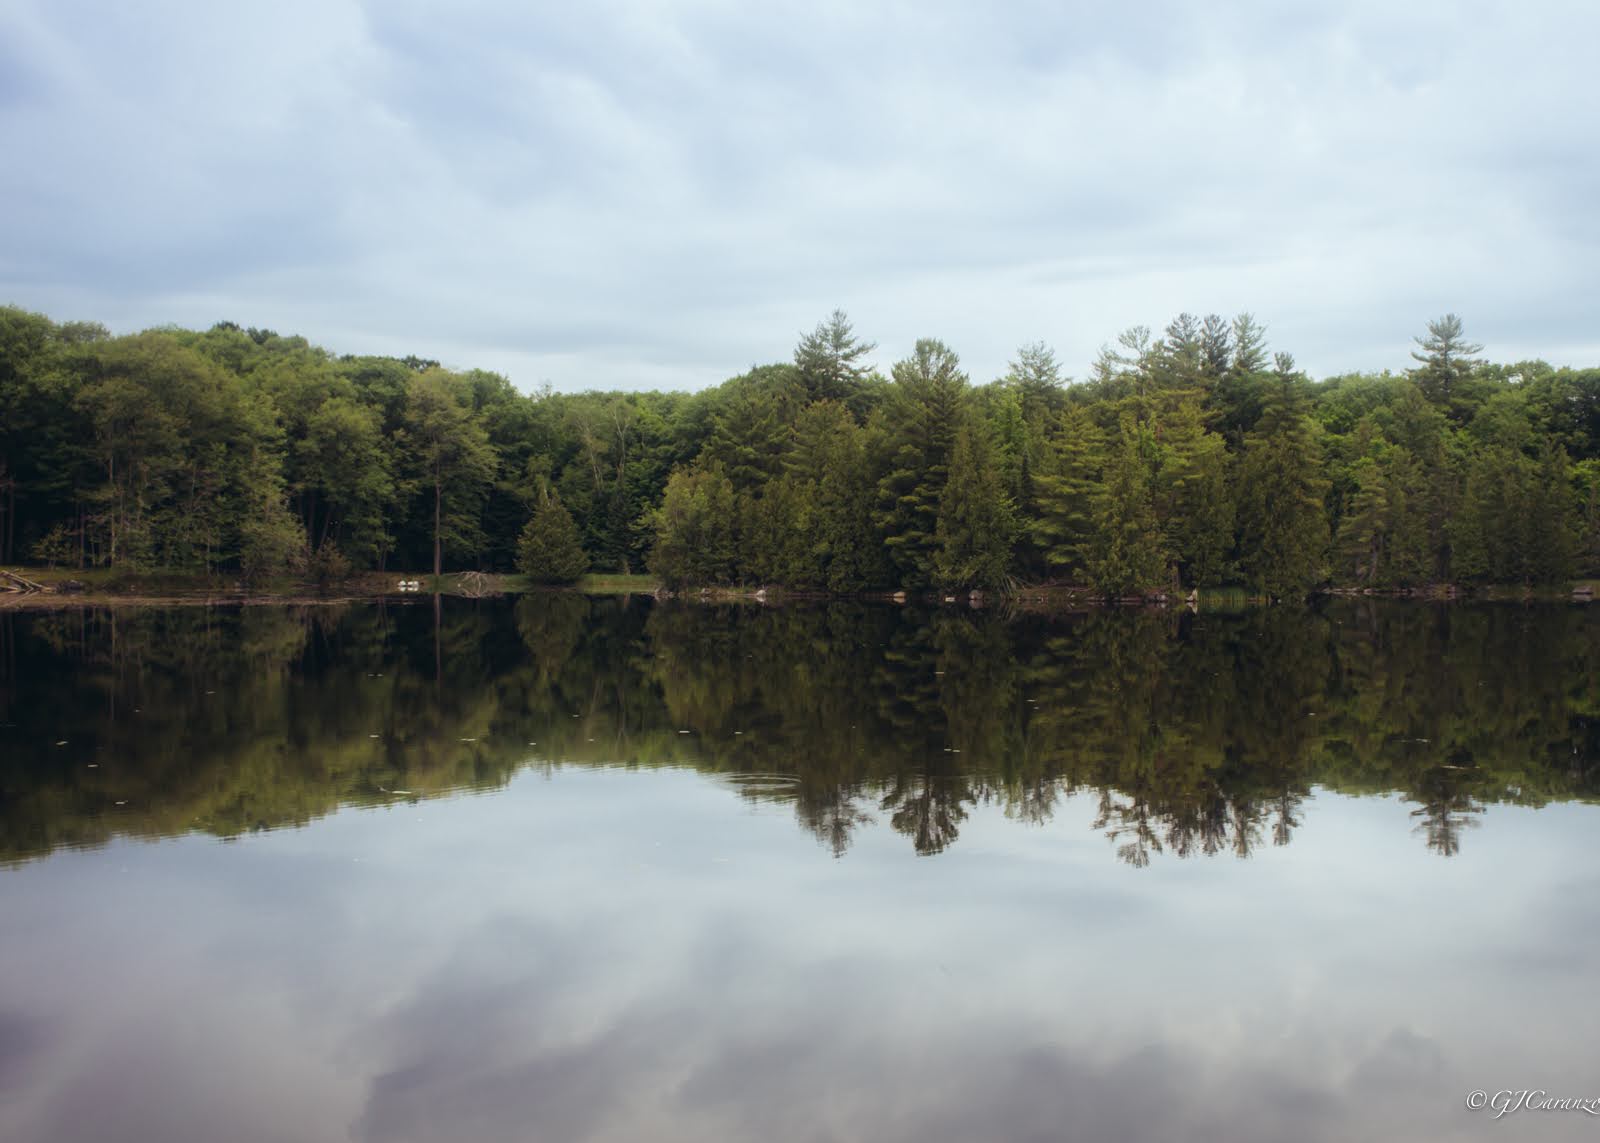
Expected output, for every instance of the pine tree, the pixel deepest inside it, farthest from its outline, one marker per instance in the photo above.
(550, 549)
(830, 359)
(1036, 376)
(1180, 355)
(1364, 531)
(1216, 348)
(1067, 492)
(1127, 556)
(751, 430)
(928, 405)
(1236, 398)
(1283, 526)
(1193, 501)
(976, 522)
(1554, 530)
(829, 460)
(1446, 360)
(696, 540)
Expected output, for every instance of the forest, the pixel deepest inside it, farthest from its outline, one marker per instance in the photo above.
(1195, 457)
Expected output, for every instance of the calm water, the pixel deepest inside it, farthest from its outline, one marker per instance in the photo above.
(571, 869)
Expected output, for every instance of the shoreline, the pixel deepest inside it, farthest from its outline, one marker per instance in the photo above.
(63, 590)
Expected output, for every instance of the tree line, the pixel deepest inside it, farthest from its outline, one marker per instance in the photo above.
(1191, 458)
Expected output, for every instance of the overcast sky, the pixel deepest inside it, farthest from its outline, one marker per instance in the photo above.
(647, 194)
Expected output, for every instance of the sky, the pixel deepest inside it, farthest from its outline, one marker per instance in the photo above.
(659, 194)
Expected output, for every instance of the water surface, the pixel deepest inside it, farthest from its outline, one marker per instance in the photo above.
(572, 869)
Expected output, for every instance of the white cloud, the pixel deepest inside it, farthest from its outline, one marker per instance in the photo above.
(643, 194)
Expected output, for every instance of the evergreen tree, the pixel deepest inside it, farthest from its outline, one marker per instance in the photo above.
(830, 359)
(1554, 531)
(1193, 501)
(1036, 376)
(1236, 398)
(927, 407)
(1283, 527)
(751, 430)
(1127, 556)
(1445, 361)
(976, 522)
(550, 549)
(1485, 531)
(829, 467)
(1249, 346)
(1216, 348)
(696, 541)
(1364, 531)
(1586, 495)
(1067, 492)
(1382, 538)
(1180, 355)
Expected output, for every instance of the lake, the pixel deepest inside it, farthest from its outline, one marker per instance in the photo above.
(602, 869)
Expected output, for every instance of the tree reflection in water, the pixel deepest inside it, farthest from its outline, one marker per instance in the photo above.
(1197, 734)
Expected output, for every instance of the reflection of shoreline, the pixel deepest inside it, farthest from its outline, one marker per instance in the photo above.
(1201, 732)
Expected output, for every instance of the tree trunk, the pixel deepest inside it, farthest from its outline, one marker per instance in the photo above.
(438, 543)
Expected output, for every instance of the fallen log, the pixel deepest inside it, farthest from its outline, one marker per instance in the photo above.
(11, 581)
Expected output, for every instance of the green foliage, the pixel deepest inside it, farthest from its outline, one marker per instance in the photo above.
(695, 537)
(1445, 362)
(58, 546)
(452, 459)
(1127, 556)
(1366, 534)
(751, 429)
(1283, 527)
(241, 450)
(1067, 491)
(1193, 499)
(829, 360)
(927, 407)
(550, 550)
(1519, 520)
(975, 525)
(830, 491)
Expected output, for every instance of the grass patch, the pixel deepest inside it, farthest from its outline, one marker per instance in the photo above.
(609, 584)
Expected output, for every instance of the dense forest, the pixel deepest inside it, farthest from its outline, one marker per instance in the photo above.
(1192, 458)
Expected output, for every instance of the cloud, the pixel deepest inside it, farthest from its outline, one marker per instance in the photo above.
(629, 193)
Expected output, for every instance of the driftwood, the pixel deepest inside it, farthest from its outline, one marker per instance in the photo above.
(11, 581)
